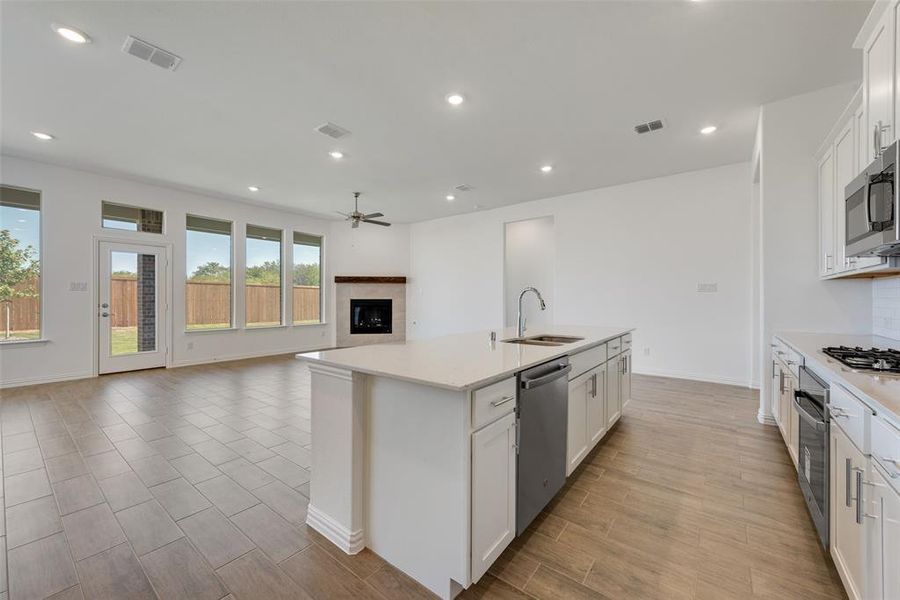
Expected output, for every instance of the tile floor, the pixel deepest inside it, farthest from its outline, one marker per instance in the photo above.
(192, 483)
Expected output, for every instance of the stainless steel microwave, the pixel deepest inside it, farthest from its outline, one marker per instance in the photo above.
(871, 207)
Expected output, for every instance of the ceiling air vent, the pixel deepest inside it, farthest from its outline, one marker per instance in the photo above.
(464, 188)
(333, 131)
(150, 53)
(648, 127)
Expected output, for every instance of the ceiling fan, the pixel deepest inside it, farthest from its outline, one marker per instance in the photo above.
(358, 217)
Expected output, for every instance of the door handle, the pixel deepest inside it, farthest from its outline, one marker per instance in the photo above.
(104, 314)
(859, 497)
(502, 401)
(848, 469)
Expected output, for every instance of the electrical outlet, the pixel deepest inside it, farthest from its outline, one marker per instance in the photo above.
(190, 345)
(647, 351)
(707, 288)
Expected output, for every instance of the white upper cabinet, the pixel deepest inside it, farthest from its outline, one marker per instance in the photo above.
(878, 85)
(845, 169)
(826, 212)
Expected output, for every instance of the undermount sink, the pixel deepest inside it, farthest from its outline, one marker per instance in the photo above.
(556, 339)
(544, 340)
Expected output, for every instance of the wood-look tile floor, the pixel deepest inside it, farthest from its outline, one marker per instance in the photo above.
(192, 483)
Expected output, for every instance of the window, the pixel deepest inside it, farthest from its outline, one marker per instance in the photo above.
(208, 287)
(263, 278)
(20, 264)
(307, 276)
(132, 218)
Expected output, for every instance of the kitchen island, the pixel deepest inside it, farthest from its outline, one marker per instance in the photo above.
(415, 444)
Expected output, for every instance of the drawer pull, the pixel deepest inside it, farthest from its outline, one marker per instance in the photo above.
(502, 401)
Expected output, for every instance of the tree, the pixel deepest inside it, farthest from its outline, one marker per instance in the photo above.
(306, 274)
(19, 272)
(267, 273)
(211, 271)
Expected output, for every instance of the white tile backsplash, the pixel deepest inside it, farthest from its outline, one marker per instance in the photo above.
(886, 307)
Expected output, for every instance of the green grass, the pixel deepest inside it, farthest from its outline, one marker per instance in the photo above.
(32, 334)
(123, 340)
(202, 326)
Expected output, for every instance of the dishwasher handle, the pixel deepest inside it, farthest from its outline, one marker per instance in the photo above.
(553, 375)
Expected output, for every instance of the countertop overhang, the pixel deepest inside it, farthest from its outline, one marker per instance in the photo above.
(462, 361)
(880, 391)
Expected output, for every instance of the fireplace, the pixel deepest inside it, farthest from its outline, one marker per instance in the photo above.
(370, 316)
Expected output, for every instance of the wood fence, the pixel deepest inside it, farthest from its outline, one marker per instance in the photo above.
(206, 303)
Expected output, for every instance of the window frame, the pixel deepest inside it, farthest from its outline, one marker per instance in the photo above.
(231, 278)
(281, 270)
(321, 320)
(42, 338)
(162, 232)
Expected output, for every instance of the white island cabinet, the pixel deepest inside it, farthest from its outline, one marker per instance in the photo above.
(415, 444)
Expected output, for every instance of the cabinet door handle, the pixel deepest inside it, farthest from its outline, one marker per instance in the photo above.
(848, 470)
(502, 401)
(859, 497)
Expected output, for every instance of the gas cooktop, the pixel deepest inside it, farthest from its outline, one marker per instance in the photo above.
(873, 359)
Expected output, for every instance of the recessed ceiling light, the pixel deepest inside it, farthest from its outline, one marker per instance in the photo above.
(546, 168)
(451, 197)
(72, 34)
(336, 154)
(708, 129)
(41, 135)
(252, 188)
(455, 99)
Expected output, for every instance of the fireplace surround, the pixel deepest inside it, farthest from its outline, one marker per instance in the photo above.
(369, 309)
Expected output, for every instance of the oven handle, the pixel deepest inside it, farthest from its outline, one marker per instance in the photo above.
(810, 419)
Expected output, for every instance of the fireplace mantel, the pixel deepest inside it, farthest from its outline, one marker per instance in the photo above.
(368, 279)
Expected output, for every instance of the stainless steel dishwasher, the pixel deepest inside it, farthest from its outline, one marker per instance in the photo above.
(542, 412)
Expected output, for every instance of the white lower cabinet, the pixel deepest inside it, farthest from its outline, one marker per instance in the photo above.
(626, 378)
(577, 431)
(596, 405)
(493, 492)
(848, 530)
(596, 399)
(613, 390)
(883, 533)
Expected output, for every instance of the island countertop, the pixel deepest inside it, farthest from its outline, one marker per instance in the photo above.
(461, 361)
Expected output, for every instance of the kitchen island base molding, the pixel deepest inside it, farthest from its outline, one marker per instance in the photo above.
(351, 542)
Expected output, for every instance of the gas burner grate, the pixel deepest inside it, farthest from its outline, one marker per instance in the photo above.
(873, 359)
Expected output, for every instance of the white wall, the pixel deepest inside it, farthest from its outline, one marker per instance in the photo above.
(792, 296)
(625, 255)
(886, 307)
(70, 218)
(529, 260)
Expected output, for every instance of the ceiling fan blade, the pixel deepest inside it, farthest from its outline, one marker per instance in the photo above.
(382, 223)
(355, 223)
(372, 215)
(342, 214)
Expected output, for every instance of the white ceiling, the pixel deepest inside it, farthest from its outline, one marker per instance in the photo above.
(546, 82)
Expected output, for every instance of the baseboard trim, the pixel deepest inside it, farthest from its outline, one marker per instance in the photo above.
(11, 383)
(209, 361)
(766, 419)
(351, 542)
(697, 377)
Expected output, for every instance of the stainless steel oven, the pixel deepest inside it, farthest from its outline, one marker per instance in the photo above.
(871, 208)
(811, 402)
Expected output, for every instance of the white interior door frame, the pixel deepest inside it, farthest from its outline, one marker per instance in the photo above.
(166, 275)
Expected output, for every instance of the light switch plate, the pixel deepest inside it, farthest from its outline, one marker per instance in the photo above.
(707, 288)
(78, 286)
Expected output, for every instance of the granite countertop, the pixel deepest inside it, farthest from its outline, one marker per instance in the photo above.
(462, 361)
(880, 391)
